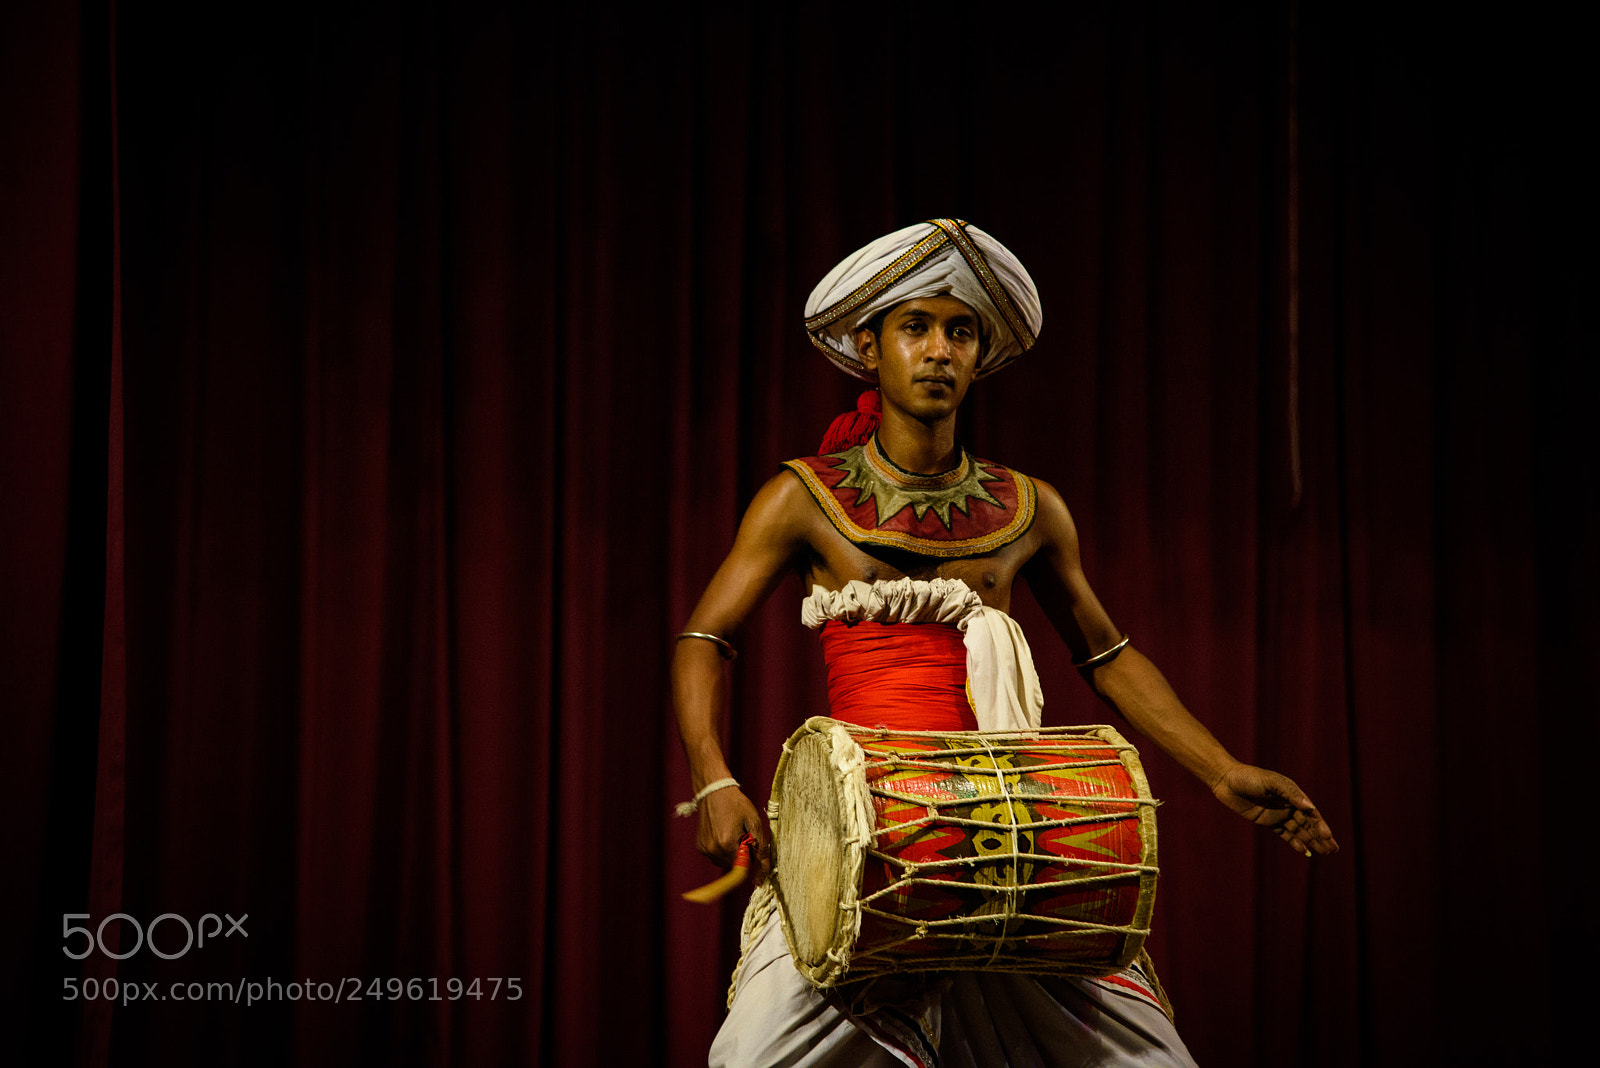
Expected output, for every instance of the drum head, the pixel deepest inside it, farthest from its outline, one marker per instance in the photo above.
(814, 865)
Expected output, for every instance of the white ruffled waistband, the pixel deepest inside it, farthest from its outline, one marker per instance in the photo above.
(905, 600)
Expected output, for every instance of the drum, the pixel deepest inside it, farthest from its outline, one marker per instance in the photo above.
(1029, 851)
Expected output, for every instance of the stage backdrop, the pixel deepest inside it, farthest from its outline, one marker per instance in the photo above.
(381, 383)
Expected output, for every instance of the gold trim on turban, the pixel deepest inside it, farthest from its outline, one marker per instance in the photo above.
(937, 257)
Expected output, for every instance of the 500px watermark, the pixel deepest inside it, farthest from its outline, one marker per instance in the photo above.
(254, 991)
(194, 935)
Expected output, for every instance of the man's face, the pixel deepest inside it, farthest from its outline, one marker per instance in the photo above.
(925, 355)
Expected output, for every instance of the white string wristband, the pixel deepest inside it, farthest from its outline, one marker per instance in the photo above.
(687, 808)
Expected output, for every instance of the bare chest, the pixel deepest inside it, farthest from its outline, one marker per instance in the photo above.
(835, 561)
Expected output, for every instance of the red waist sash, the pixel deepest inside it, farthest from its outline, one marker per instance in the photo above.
(905, 676)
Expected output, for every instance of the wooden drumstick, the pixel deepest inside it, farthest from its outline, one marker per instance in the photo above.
(716, 888)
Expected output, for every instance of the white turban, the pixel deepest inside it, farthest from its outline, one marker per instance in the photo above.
(933, 258)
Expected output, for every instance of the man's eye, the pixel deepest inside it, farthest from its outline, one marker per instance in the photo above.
(915, 326)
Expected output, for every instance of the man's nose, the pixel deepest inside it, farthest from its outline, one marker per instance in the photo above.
(942, 349)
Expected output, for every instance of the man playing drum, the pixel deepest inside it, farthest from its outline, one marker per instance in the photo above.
(909, 547)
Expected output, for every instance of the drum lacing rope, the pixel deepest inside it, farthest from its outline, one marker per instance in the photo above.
(1016, 863)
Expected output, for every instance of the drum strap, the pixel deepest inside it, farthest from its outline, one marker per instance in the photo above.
(757, 914)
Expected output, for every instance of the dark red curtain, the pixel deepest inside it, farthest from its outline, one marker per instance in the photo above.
(381, 383)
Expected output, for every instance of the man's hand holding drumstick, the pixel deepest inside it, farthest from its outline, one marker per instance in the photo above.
(739, 817)
(726, 818)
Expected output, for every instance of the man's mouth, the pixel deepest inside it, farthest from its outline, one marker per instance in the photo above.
(938, 380)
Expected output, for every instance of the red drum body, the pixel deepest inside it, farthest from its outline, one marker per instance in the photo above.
(1030, 851)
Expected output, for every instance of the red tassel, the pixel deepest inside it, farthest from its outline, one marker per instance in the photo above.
(853, 428)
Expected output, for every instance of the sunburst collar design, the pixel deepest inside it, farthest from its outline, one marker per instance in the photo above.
(971, 509)
(891, 487)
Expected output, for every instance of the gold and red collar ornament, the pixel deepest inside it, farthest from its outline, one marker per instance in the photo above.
(974, 508)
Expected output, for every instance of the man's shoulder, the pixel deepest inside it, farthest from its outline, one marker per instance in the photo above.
(783, 490)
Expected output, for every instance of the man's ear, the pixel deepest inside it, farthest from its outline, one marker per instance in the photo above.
(867, 348)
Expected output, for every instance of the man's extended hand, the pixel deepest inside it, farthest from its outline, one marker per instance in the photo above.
(725, 817)
(1274, 801)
